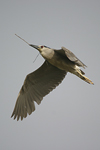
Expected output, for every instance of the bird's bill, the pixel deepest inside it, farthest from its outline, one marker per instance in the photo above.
(35, 46)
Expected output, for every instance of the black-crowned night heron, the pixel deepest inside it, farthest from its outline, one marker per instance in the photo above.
(42, 81)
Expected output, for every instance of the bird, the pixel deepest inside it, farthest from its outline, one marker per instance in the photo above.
(46, 78)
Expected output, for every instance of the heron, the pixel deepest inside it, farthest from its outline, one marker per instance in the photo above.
(46, 78)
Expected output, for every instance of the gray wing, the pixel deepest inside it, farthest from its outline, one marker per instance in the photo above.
(71, 57)
(36, 85)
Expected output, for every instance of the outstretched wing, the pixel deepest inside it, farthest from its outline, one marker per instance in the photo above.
(65, 52)
(36, 85)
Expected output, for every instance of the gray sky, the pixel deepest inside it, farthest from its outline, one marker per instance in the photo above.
(69, 117)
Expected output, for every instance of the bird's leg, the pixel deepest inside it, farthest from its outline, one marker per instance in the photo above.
(80, 75)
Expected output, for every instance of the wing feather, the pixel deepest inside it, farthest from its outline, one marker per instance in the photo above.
(67, 53)
(36, 85)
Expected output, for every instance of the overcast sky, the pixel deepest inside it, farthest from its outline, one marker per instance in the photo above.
(69, 117)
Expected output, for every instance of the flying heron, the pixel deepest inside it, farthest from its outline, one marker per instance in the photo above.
(43, 80)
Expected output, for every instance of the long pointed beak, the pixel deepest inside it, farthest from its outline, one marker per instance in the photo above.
(34, 46)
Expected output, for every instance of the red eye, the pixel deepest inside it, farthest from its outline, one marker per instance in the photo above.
(41, 46)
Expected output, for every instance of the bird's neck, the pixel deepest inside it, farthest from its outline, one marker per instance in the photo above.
(47, 53)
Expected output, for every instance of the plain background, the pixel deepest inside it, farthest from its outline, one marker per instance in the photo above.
(69, 117)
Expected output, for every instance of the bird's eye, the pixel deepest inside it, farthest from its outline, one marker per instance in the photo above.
(41, 46)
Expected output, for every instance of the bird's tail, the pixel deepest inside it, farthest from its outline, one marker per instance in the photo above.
(80, 74)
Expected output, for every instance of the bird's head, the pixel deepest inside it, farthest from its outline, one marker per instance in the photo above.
(40, 48)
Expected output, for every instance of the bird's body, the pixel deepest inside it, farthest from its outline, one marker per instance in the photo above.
(58, 60)
(40, 82)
